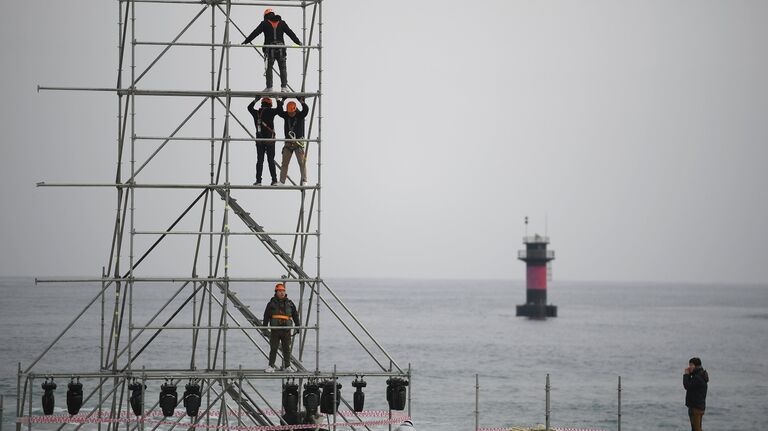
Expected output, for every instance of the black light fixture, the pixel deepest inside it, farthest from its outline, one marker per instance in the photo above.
(291, 402)
(396, 393)
(137, 397)
(168, 398)
(358, 398)
(74, 396)
(311, 397)
(192, 398)
(48, 398)
(326, 399)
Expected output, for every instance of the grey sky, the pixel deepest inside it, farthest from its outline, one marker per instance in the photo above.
(638, 128)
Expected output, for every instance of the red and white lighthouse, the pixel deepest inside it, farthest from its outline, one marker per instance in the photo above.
(536, 257)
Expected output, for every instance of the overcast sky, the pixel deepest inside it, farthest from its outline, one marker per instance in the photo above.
(636, 129)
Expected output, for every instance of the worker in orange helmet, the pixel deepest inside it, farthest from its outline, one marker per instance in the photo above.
(274, 28)
(293, 127)
(278, 314)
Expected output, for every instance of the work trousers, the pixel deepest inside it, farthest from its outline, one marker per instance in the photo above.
(278, 54)
(280, 337)
(696, 415)
(289, 148)
(269, 150)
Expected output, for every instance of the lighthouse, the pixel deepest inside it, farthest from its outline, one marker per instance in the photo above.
(536, 256)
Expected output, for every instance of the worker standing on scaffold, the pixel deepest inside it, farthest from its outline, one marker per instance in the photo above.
(273, 28)
(264, 119)
(293, 127)
(279, 313)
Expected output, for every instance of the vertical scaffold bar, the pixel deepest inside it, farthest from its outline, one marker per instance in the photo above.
(31, 381)
(1, 412)
(410, 388)
(101, 348)
(335, 395)
(226, 174)
(619, 405)
(132, 190)
(389, 416)
(143, 396)
(211, 210)
(240, 396)
(546, 405)
(319, 172)
(19, 397)
(477, 402)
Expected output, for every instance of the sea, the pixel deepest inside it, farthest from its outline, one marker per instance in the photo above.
(463, 343)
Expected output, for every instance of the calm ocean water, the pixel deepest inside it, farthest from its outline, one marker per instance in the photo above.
(450, 330)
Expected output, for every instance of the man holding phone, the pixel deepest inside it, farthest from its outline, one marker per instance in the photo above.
(695, 380)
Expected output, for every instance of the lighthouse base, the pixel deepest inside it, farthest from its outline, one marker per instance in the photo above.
(537, 311)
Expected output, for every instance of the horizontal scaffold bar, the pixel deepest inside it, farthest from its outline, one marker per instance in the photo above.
(177, 280)
(230, 327)
(186, 93)
(180, 186)
(277, 3)
(223, 45)
(162, 232)
(208, 139)
(226, 374)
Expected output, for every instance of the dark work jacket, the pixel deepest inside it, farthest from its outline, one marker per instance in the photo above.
(264, 120)
(281, 306)
(293, 124)
(695, 385)
(273, 28)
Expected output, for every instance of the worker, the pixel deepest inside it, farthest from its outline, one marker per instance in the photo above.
(278, 314)
(264, 119)
(293, 127)
(274, 28)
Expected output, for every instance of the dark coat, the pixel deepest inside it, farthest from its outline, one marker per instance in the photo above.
(264, 120)
(695, 385)
(273, 28)
(293, 124)
(284, 307)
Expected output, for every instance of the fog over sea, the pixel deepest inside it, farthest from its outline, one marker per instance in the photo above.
(449, 331)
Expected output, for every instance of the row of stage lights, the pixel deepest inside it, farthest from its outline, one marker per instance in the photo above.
(312, 398)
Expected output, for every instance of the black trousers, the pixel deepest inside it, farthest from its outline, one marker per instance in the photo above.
(280, 337)
(280, 55)
(269, 150)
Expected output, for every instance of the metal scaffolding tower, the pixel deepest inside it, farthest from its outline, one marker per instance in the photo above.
(232, 394)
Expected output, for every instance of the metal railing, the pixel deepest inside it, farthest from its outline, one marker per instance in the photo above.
(547, 405)
(535, 239)
(536, 254)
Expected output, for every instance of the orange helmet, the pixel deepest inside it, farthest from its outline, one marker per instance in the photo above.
(291, 106)
(266, 101)
(268, 11)
(279, 286)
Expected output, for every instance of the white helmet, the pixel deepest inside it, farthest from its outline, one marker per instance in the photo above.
(405, 426)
